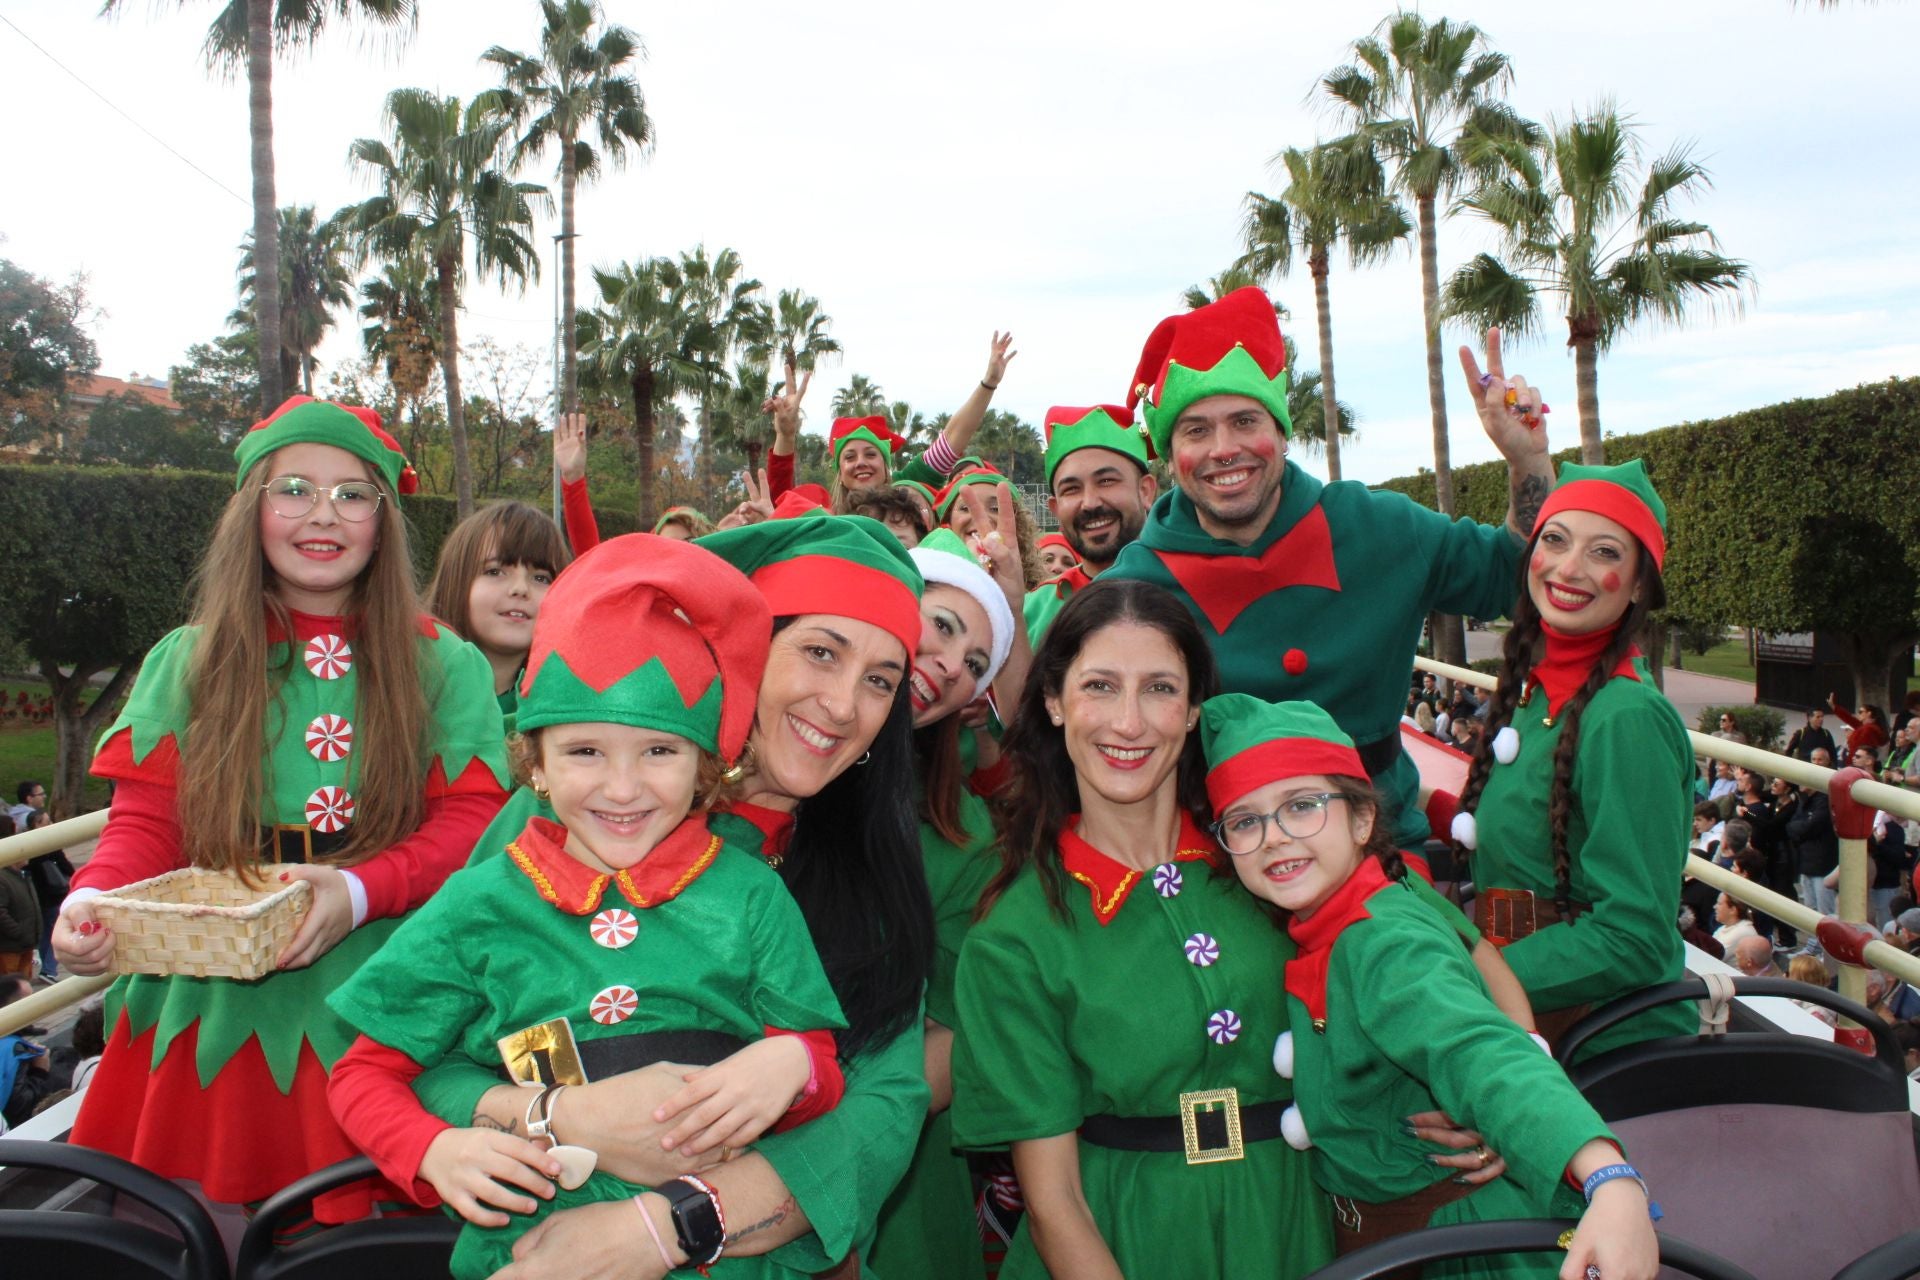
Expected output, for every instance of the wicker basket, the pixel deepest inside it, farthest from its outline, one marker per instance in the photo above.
(201, 924)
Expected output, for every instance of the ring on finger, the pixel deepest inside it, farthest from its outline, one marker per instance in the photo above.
(1484, 1155)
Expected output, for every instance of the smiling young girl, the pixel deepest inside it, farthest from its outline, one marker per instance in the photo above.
(494, 571)
(311, 723)
(1579, 802)
(625, 921)
(1388, 1017)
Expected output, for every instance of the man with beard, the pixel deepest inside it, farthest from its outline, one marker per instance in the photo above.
(1097, 472)
(1313, 591)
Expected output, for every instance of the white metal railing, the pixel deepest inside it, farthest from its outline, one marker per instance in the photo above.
(58, 835)
(1854, 870)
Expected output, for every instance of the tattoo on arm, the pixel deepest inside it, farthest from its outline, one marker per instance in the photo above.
(774, 1219)
(1529, 495)
(483, 1121)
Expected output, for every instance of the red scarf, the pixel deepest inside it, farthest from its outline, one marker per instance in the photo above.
(1567, 661)
(1315, 936)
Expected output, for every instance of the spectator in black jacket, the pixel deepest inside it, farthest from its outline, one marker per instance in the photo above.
(49, 874)
(1888, 847)
(1814, 734)
(19, 916)
(1816, 850)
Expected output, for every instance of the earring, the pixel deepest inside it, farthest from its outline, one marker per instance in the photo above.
(864, 757)
(540, 790)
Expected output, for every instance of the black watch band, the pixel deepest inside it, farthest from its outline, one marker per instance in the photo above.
(698, 1227)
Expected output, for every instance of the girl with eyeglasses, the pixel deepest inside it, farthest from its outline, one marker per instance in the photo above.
(1387, 1016)
(310, 723)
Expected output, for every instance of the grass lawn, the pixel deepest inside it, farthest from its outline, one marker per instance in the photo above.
(26, 750)
(1729, 659)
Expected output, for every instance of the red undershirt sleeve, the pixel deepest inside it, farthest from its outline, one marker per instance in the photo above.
(583, 531)
(142, 837)
(371, 1094)
(827, 1084)
(407, 873)
(779, 474)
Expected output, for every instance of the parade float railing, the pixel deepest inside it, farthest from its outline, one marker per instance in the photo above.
(67, 991)
(1853, 795)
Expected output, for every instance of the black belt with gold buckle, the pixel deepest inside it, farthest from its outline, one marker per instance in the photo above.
(1211, 1126)
(298, 842)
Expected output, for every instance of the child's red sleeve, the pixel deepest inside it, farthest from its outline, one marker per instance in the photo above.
(826, 1084)
(583, 531)
(371, 1094)
(407, 873)
(142, 837)
(779, 474)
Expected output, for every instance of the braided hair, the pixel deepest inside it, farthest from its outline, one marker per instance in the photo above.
(1522, 652)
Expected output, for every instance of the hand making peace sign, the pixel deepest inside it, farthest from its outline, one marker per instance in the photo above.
(1511, 412)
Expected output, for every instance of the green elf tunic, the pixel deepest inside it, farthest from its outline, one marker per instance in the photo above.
(1044, 603)
(1626, 841)
(839, 1168)
(927, 1227)
(1326, 606)
(1158, 984)
(697, 937)
(1389, 1018)
(224, 1082)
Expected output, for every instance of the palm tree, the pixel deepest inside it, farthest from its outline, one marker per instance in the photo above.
(796, 334)
(860, 398)
(1422, 92)
(909, 424)
(441, 196)
(1571, 223)
(720, 311)
(577, 84)
(244, 35)
(739, 420)
(314, 280)
(1237, 276)
(633, 341)
(400, 308)
(1334, 195)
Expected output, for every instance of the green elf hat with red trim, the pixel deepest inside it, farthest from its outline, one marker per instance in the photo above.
(931, 497)
(1231, 347)
(653, 633)
(1622, 493)
(873, 429)
(982, 474)
(304, 420)
(1101, 426)
(847, 566)
(1250, 742)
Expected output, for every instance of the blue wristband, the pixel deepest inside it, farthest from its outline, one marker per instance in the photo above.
(1607, 1173)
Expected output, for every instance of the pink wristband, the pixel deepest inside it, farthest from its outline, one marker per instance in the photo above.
(653, 1231)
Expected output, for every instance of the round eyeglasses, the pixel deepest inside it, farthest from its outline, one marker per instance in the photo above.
(291, 497)
(1300, 817)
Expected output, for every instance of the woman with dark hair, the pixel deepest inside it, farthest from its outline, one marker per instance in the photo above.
(1578, 805)
(1117, 998)
(827, 786)
(1867, 729)
(1388, 1016)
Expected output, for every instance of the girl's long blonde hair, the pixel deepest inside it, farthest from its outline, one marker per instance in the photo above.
(223, 771)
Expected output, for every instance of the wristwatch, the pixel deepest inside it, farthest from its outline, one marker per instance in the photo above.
(698, 1225)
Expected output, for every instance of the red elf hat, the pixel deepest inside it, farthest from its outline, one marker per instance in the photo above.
(873, 429)
(1229, 347)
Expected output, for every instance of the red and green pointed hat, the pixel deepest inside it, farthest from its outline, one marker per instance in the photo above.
(654, 633)
(932, 498)
(1227, 348)
(304, 420)
(1100, 426)
(1623, 493)
(982, 474)
(873, 429)
(847, 566)
(1250, 742)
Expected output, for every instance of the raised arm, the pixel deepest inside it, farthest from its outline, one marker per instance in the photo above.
(1515, 419)
(957, 436)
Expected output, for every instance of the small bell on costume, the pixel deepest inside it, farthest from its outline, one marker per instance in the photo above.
(1283, 1055)
(1506, 745)
(1465, 831)
(1294, 1129)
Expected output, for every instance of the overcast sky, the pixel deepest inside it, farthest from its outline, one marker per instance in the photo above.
(1060, 170)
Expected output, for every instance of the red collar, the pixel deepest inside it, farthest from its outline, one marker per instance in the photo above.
(1567, 660)
(308, 625)
(576, 888)
(1110, 881)
(1307, 971)
(1223, 585)
(1074, 579)
(774, 825)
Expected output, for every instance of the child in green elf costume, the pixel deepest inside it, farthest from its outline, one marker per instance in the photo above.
(623, 933)
(1387, 1017)
(1578, 807)
(311, 723)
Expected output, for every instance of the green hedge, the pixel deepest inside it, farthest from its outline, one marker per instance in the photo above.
(1785, 518)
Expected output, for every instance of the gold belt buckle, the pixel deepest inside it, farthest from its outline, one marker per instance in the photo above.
(306, 839)
(1191, 1105)
(1510, 915)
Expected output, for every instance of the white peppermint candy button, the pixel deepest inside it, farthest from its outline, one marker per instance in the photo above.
(1202, 950)
(1166, 880)
(615, 927)
(1506, 745)
(1465, 831)
(329, 737)
(615, 1004)
(329, 657)
(1223, 1027)
(329, 809)
(576, 1165)
(1283, 1055)
(1294, 1129)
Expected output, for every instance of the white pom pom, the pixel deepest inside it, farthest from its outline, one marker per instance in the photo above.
(1541, 1040)
(1294, 1129)
(1506, 745)
(1465, 831)
(1283, 1055)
